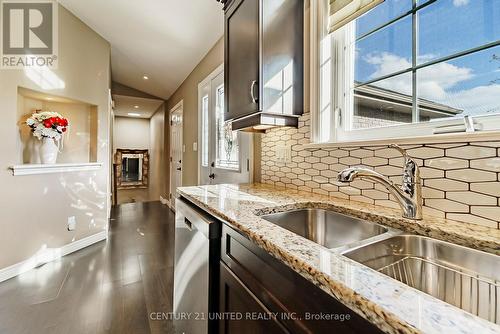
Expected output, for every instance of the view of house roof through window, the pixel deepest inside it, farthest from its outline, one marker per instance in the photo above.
(415, 61)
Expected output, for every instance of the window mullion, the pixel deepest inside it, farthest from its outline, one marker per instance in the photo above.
(415, 110)
(335, 68)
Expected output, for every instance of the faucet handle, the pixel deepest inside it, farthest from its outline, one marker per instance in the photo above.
(411, 173)
(400, 150)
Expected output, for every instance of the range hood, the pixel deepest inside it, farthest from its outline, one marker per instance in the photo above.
(263, 64)
(260, 122)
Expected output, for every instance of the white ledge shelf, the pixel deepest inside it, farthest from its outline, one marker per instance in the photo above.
(19, 170)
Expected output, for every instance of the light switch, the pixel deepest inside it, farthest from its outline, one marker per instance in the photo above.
(195, 146)
(283, 153)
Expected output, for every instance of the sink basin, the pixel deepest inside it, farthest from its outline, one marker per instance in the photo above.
(464, 277)
(326, 228)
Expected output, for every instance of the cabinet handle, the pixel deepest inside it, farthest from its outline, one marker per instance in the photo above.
(252, 92)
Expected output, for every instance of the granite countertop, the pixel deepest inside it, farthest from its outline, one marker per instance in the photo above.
(392, 306)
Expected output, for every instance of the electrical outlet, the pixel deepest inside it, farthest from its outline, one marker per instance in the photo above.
(71, 223)
(283, 153)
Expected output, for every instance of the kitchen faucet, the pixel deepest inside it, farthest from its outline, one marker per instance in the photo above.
(408, 196)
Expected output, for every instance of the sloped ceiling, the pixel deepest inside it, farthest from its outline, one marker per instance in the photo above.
(162, 39)
(138, 107)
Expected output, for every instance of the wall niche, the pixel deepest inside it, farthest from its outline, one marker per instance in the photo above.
(79, 144)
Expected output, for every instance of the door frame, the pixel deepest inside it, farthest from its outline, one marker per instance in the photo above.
(179, 105)
(111, 172)
(203, 83)
(207, 80)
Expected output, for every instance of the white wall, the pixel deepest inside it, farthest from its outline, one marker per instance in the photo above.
(131, 133)
(34, 209)
(149, 134)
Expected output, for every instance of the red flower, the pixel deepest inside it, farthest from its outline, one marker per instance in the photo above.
(47, 123)
(63, 129)
(64, 122)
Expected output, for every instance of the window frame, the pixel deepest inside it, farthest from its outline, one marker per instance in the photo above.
(204, 136)
(217, 134)
(340, 100)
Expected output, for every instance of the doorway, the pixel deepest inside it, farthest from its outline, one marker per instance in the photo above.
(176, 149)
(224, 155)
(138, 150)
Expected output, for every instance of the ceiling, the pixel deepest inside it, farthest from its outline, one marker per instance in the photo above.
(162, 39)
(145, 108)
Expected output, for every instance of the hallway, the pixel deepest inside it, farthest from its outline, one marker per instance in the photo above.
(109, 287)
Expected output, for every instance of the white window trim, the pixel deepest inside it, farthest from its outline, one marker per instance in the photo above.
(207, 80)
(202, 84)
(489, 126)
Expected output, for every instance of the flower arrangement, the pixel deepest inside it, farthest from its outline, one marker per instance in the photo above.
(47, 124)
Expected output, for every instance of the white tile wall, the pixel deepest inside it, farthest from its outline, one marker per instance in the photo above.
(460, 180)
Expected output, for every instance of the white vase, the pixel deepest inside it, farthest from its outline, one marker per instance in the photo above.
(48, 151)
(34, 151)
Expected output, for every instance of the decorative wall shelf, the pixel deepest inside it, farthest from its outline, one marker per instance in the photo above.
(18, 170)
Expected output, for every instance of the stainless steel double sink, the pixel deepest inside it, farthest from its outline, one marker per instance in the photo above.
(327, 228)
(461, 276)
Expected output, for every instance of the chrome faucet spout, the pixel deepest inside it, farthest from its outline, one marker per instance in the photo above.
(408, 196)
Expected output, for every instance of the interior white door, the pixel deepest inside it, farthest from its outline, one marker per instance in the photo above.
(176, 149)
(224, 154)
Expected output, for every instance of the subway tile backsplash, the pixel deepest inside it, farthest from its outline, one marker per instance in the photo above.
(461, 181)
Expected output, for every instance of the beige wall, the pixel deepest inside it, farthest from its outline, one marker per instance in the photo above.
(188, 92)
(34, 209)
(131, 133)
(157, 186)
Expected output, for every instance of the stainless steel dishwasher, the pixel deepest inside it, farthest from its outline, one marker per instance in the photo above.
(197, 256)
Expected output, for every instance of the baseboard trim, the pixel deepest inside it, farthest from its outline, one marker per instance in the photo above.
(164, 201)
(168, 203)
(50, 254)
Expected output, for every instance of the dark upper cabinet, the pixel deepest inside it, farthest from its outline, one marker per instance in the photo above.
(264, 51)
(242, 59)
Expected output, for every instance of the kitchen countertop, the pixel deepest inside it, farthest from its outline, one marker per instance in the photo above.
(392, 306)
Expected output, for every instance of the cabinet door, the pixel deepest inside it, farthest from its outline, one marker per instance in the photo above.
(247, 311)
(280, 289)
(242, 59)
(282, 48)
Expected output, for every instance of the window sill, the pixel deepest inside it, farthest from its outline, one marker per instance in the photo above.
(432, 139)
(28, 169)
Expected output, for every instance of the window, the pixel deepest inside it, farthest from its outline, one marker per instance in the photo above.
(204, 131)
(416, 66)
(227, 150)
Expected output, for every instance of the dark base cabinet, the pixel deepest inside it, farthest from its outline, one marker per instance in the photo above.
(241, 312)
(260, 294)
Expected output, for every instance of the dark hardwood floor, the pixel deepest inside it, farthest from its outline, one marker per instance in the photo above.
(110, 287)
